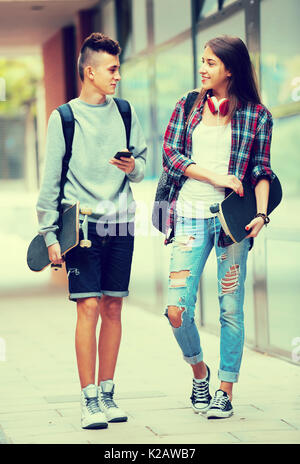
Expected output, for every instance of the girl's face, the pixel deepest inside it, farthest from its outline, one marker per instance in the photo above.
(214, 75)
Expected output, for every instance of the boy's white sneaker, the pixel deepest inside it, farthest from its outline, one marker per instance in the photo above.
(91, 415)
(107, 405)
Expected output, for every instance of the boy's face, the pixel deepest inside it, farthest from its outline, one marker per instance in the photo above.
(104, 73)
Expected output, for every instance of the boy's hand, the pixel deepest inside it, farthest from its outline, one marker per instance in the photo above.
(54, 252)
(126, 165)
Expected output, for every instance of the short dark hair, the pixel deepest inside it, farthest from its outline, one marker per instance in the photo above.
(96, 42)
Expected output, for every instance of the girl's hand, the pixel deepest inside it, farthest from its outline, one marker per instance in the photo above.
(54, 253)
(255, 225)
(228, 181)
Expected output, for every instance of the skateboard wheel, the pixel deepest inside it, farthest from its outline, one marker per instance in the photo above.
(85, 243)
(214, 208)
(87, 211)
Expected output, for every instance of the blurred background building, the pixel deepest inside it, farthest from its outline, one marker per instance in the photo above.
(162, 42)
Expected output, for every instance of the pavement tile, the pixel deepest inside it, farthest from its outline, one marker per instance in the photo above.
(28, 418)
(200, 438)
(39, 399)
(269, 436)
(24, 435)
(67, 438)
(231, 425)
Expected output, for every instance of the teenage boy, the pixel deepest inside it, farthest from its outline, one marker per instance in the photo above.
(98, 276)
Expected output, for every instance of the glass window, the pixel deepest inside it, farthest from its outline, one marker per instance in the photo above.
(170, 18)
(139, 24)
(234, 25)
(12, 143)
(124, 25)
(209, 7)
(280, 53)
(135, 87)
(283, 274)
(228, 2)
(108, 19)
(174, 78)
(284, 162)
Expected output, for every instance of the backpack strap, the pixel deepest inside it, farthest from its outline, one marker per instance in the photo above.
(68, 124)
(125, 111)
(188, 104)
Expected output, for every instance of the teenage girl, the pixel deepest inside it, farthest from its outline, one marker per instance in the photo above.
(227, 140)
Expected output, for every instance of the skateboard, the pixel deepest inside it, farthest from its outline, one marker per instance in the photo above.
(68, 237)
(235, 212)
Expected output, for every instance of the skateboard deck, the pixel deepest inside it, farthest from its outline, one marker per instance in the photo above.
(68, 237)
(235, 212)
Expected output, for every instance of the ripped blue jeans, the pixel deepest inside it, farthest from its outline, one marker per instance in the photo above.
(192, 244)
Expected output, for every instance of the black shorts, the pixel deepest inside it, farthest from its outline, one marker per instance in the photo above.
(103, 269)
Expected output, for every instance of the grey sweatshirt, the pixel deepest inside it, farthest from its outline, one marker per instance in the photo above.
(94, 182)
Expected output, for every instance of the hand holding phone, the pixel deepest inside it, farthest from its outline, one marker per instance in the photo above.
(126, 165)
(125, 154)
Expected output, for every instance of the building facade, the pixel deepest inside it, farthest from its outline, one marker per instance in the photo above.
(162, 43)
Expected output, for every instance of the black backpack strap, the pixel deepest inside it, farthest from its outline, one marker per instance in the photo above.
(125, 111)
(188, 104)
(68, 124)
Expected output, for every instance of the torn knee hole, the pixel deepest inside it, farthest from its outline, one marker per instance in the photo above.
(175, 316)
(178, 279)
(229, 282)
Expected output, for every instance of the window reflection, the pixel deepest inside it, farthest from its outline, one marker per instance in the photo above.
(209, 7)
(283, 279)
(174, 78)
(280, 54)
(284, 158)
(139, 24)
(135, 88)
(170, 18)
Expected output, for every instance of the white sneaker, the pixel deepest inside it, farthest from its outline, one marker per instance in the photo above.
(220, 407)
(91, 415)
(112, 412)
(200, 394)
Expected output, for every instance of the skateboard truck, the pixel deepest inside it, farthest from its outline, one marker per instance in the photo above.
(56, 267)
(214, 208)
(85, 242)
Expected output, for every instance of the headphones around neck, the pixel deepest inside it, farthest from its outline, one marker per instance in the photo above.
(215, 106)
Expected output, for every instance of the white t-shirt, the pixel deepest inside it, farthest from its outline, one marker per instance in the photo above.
(211, 150)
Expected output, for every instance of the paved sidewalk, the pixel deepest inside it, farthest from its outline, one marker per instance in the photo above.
(39, 388)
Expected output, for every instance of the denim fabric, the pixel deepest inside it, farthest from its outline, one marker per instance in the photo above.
(103, 269)
(193, 242)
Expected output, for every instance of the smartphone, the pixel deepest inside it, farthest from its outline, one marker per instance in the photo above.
(126, 154)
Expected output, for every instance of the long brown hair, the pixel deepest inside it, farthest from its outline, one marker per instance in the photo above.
(242, 87)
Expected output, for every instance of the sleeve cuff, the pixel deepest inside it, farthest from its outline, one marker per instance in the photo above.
(50, 238)
(262, 172)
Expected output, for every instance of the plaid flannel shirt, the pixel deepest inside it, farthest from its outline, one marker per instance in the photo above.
(251, 129)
